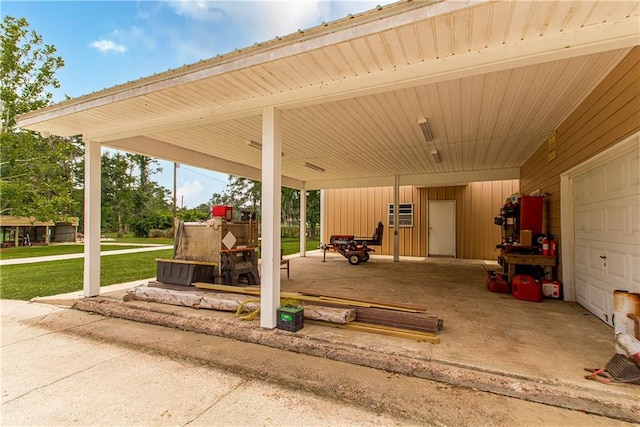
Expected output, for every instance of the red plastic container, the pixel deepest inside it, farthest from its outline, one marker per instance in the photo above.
(552, 289)
(496, 283)
(526, 288)
(225, 212)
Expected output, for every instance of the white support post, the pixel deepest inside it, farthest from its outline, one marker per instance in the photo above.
(92, 156)
(322, 217)
(303, 222)
(270, 249)
(396, 219)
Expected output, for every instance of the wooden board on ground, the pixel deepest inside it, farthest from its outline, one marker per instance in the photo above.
(373, 303)
(382, 330)
(316, 298)
(402, 319)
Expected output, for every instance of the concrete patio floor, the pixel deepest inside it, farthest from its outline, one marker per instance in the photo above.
(492, 342)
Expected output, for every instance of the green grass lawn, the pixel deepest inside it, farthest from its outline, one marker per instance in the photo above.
(26, 281)
(34, 251)
(146, 240)
(291, 245)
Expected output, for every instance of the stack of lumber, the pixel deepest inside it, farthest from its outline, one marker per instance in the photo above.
(394, 319)
(226, 301)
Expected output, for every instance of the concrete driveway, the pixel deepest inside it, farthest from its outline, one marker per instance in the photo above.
(532, 351)
(66, 367)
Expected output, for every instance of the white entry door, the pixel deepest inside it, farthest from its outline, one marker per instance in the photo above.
(442, 228)
(607, 233)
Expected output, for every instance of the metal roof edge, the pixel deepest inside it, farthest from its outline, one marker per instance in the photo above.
(322, 29)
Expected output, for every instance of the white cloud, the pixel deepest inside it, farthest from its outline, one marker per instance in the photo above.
(242, 23)
(201, 10)
(108, 46)
(191, 194)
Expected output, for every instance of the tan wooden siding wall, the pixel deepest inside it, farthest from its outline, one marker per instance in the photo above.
(608, 115)
(357, 211)
(476, 206)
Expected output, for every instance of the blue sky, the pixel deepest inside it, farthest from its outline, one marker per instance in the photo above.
(105, 43)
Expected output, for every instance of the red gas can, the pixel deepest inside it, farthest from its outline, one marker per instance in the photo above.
(526, 288)
(497, 283)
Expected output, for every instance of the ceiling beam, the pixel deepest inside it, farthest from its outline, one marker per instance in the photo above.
(173, 153)
(422, 180)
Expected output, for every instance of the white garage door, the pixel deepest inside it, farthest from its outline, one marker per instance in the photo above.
(607, 232)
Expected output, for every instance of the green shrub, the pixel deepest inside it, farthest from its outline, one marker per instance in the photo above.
(164, 234)
(157, 220)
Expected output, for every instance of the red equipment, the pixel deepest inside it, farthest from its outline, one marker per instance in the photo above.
(552, 289)
(225, 212)
(498, 284)
(526, 288)
(545, 246)
(354, 249)
(553, 247)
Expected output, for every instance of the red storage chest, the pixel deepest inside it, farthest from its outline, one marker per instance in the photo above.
(526, 288)
(531, 213)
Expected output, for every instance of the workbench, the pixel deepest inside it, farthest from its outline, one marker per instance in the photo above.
(510, 260)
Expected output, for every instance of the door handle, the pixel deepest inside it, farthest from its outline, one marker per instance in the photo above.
(603, 257)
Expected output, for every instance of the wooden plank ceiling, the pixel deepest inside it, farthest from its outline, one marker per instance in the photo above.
(494, 80)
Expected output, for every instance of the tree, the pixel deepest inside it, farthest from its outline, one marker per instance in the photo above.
(313, 212)
(36, 173)
(129, 197)
(245, 194)
(117, 192)
(290, 210)
(27, 70)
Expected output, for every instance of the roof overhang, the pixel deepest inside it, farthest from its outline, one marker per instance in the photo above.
(494, 79)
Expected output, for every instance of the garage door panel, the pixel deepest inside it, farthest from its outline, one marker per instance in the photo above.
(581, 257)
(616, 220)
(615, 263)
(622, 266)
(635, 271)
(617, 178)
(596, 296)
(607, 232)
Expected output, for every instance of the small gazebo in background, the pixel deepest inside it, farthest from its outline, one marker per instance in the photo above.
(22, 231)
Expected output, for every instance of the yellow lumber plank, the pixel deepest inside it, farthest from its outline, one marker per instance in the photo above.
(375, 329)
(301, 296)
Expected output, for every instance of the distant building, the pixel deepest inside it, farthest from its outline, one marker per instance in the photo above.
(22, 231)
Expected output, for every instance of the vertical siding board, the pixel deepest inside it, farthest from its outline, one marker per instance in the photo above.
(476, 205)
(609, 114)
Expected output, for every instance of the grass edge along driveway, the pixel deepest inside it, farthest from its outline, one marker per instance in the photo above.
(27, 281)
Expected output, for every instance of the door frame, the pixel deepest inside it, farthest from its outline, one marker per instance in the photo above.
(566, 207)
(455, 226)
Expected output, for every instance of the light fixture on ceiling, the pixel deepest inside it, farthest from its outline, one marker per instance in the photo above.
(314, 167)
(435, 155)
(258, 146)
(426, 130)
